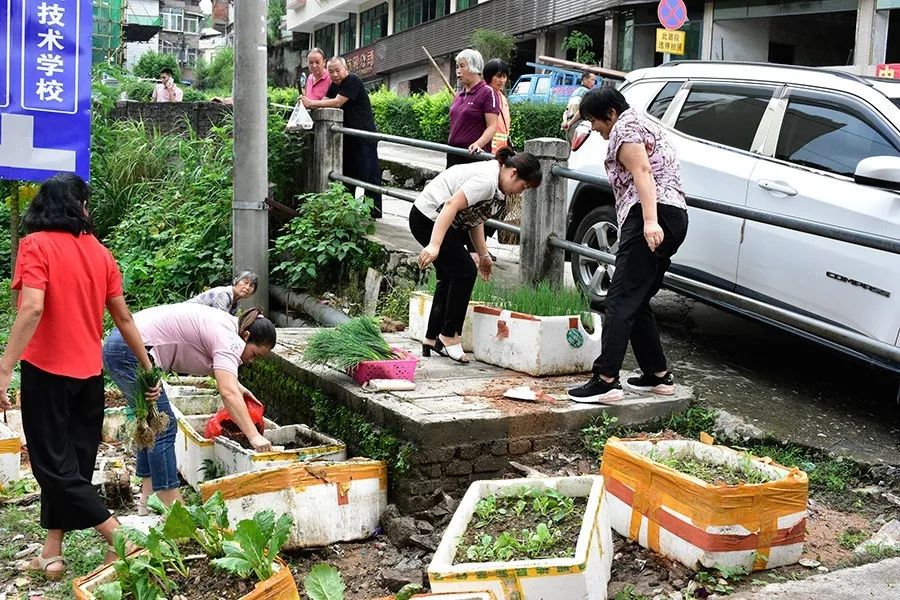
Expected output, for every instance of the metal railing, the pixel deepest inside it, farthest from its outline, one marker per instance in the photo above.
(838, 337)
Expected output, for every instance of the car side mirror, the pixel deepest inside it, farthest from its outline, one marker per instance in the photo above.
(879, 171)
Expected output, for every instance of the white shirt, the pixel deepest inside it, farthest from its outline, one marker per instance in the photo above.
(479, 182)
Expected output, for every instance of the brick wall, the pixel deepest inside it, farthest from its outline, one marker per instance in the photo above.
(174, 117)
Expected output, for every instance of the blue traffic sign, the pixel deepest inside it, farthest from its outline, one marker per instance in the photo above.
(672, 14)
(45, 88)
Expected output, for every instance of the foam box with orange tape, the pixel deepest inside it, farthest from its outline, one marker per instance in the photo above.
(699, 524)
(10, 455)
(329, 501)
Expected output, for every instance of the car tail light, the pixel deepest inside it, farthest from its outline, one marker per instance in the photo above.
(582, 133)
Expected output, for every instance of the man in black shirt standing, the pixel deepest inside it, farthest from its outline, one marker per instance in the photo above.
(347, 92)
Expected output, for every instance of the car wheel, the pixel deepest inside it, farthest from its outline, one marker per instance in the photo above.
(598, 230)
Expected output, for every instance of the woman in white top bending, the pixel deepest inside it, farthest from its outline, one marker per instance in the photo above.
(451, 210)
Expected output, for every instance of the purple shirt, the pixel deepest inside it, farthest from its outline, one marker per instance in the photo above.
(467, 112)
(633, 128)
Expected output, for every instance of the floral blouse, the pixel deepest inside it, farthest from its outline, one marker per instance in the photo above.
(632, 127)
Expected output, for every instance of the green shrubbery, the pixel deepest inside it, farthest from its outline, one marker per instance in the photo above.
(151, 63)
(218, 73)
(427, 117)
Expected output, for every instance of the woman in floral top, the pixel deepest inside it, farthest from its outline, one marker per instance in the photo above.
(450, 211)
(645, 175)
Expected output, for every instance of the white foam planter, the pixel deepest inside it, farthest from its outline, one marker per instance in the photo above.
(420, 310)
(237, 459)
(115, 424)
(190, 400)
(583, 576)
(10, 455)
(754, 526)
(329, 502)
(192, 448)
(533, 344)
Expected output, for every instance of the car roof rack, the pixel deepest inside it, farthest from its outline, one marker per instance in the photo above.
(842, 74)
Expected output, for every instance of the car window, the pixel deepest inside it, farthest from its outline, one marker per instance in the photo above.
(727, 114)
(543, 85)
(522, 87)
(663, 99)
(829, 134)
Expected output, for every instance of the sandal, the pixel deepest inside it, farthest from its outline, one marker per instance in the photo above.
(454, 352)
(40, 564)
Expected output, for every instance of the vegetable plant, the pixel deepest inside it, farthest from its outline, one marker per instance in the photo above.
(150, 422)
(256, 543)
(345, 346)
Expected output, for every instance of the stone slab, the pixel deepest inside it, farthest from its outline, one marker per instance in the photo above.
(461, 404)
(879, 581)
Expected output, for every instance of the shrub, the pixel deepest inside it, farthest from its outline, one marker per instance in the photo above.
(493, 44)
(325, 241)
(218, 73)
(433, 113)
(394, 115)
(529, 120)
(583, 46)
(151, 63)
(286, 95)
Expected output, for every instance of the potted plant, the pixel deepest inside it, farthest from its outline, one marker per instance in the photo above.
(358, 348)
(527, 539)
(193, 553)
(705, 505)
(329, 501)
(539, 330)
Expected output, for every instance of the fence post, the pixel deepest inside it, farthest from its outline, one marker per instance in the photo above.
(543, 213)
(328, 147)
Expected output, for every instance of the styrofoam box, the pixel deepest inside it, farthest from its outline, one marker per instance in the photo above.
(115, 424)
(190, 400)
(10, 455)
(583, 576)
(192, 449)
(695, 544)
(420, 310)
(237, 459)
(532, 344)
(329, 502)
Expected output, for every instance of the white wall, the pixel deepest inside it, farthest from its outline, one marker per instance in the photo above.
(135, 50)
(746, 40)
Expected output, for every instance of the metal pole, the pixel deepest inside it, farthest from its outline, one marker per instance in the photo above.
(249, 217)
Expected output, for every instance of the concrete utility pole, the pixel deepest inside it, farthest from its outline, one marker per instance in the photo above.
(249, 215)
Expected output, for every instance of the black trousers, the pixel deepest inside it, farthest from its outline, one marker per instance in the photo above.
(456, 275)
(361, 162)
(452, 160)
(638, 277)
(63, 422)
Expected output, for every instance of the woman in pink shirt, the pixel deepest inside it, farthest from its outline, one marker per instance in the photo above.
(197, 340)
(319, 81)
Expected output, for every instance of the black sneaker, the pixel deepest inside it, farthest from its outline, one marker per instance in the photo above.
(648, 382)
(597, 391)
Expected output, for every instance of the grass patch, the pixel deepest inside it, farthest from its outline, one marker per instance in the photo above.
(711, 472)
(851, 538)
(874, 553)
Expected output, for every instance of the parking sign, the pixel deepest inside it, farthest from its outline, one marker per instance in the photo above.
(45, 88)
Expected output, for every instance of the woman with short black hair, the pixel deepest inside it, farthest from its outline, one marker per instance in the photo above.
(652, 216)
(65, 279)
(450, 210)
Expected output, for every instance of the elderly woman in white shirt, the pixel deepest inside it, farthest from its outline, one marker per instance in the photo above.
(228, 297)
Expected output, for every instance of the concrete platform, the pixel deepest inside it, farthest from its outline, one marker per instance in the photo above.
(457, 404)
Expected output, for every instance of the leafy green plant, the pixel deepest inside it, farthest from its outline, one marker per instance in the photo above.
(18, 488)
(212, 469)
(326, 237)
(207, 524)
(493, 44)
(582, 44)
(629, 593)
(595, 435)
(150, 422)
(256, 543)
(345, 346)
(324, 582)
(549, 502)
(218, 73)
(151, 63)
(721, 580)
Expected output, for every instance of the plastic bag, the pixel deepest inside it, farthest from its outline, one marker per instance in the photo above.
(254, 407)
(300, 118)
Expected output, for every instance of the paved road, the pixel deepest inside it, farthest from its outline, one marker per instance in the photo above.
(791, 388)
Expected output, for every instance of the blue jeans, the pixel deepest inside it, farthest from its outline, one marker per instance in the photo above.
(157, 463)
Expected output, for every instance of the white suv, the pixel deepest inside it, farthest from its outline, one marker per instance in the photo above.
(786, 141)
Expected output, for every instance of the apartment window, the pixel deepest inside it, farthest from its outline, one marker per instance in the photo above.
(461, 4)
(324, 39)
(172, 19)
(168, 48)
(192, 24)
(347, 35)
(409, 13)
(189, 57)
(373, 24)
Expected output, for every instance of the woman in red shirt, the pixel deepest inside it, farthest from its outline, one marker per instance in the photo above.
(65, 279)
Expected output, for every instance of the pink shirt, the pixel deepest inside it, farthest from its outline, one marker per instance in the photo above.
(191, 338)
(161, 94)
(317, 88)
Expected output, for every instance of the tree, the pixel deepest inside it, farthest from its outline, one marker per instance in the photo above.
(494, 44)
(151, 63)
(218, 74)
(277, 9)
(582, 44)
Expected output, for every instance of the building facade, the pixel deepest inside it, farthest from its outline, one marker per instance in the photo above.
(383, 39)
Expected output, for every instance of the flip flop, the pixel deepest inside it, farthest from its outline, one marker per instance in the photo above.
(40, 564)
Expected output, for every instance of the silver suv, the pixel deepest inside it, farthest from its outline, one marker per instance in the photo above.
(814, 144)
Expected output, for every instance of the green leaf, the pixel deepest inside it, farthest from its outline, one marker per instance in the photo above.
(157, 505)
(179, 523)
(408, 591)
(109, 591)
(280, 535)
(324, 582)
(234, 564)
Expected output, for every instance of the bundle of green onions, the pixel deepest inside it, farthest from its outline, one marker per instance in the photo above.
(150, 422)
(345, 346)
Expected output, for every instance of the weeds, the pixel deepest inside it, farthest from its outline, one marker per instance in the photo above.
(851, 538)
(716, 473)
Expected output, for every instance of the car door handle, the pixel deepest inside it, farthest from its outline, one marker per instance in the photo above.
(777, 187)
